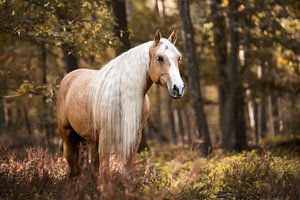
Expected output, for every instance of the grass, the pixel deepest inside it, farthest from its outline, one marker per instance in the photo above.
(171, 172)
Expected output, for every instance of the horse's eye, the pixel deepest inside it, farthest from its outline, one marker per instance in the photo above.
(160, 58)
(179, 59)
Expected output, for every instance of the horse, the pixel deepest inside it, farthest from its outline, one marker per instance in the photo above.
(109, 107)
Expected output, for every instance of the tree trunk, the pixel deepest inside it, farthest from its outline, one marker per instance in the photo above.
(193, 77)
(171, 120)
(180, 124)
(240, 121)
(160, 128)
(68, 49)
(2, 109)
(121, 27)
(1, 114)
(27, 122)
(71, 60)
(227, 140)
(46, 124)
(44, 63)
(256, 121)
(3, 88)
(274, 115)
(188, 125)
(155, 6)
(273, 99)
(235, 123)
(8, 118)
(231, 97)
(262, 117)
(262, 104)
(221, 58)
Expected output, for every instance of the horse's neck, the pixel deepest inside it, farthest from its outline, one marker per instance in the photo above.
(116, 97)
(135, 65)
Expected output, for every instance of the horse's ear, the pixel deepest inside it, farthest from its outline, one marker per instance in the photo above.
(157, 37)
(173, 37)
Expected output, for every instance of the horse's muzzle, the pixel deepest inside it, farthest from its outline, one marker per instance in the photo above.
(177, 91)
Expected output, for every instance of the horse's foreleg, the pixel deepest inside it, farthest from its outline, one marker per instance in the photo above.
(135, 149)
(71, 150)
(94, 157)
(104, 157)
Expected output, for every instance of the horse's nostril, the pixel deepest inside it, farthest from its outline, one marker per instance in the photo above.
(175, 89)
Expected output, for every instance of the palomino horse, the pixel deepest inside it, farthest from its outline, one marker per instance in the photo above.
(110, 106)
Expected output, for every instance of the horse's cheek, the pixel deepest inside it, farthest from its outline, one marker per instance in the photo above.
(154, 74)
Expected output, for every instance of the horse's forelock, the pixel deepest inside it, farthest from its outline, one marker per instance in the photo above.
(170, 45)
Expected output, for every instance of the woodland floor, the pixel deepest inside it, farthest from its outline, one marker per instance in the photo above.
(169, 172)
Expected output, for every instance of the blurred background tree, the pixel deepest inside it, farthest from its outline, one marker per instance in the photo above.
(40, 42)
(246, 60)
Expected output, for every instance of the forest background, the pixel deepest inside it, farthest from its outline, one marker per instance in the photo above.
(241, 64)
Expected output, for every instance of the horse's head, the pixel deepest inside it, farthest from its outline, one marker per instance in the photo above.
(163, 69)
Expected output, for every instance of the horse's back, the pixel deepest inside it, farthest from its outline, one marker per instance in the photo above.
(69, 78)
(71, 98)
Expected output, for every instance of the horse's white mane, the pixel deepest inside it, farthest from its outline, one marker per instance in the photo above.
(115, 99)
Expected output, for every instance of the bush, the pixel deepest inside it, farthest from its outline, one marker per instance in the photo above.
(248, 175)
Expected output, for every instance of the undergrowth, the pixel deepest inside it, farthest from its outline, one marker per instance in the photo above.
(170, 173)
